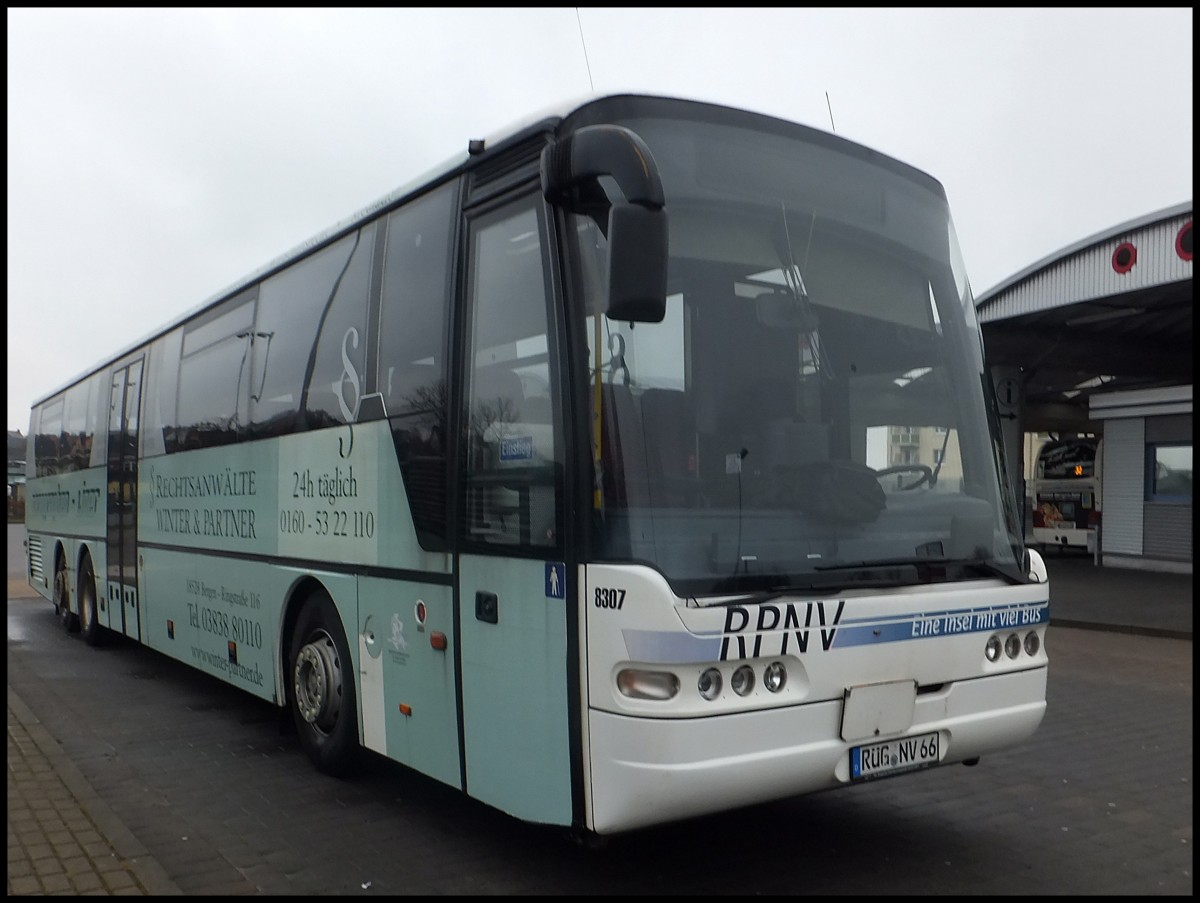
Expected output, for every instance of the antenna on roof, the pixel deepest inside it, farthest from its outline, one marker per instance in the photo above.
(591, 85)
(830, 106)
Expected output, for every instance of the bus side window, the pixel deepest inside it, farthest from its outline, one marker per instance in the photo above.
(211, 395)
(513, 463)
(336, 369)
(46, 447)
(162, 379)
(414, 311)
(78, 432)
(290, 307)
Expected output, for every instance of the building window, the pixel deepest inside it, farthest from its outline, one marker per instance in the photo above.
(1169, 473)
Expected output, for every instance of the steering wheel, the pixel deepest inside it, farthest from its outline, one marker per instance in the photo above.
(925, 471)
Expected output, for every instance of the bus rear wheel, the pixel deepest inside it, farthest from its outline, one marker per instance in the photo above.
(89, 620)
(62, 597)
(321, 687)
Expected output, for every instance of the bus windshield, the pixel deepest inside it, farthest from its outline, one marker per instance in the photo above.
(814, 402)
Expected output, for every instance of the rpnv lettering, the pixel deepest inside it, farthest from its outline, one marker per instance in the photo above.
(778, 630)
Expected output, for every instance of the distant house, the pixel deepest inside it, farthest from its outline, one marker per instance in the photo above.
(16, 474)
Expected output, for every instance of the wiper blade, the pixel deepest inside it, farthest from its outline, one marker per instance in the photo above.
(985, 566)
(864, 573)
(991, 569)
(846, 577)
(914, 560)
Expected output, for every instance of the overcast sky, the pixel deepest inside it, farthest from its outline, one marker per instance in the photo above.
(157, 156)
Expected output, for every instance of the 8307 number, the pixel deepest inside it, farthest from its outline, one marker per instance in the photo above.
(609, 597)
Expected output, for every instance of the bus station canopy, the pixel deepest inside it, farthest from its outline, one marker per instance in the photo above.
(1112, 312)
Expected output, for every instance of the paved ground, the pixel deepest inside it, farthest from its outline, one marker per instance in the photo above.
(1118, 599)
(64, 839)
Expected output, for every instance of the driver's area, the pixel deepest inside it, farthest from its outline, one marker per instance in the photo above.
(782, 416)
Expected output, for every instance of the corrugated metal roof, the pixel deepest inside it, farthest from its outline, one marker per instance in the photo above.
(1084, 271)
(1093, 318)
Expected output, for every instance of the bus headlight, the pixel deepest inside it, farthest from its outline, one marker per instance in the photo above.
(775, 676)
(992, 649)
(1032, 643)
(1012, 646)
(742, 680)
(647, 684)
(709, 684)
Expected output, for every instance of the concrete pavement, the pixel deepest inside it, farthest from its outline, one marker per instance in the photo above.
(1149, 603)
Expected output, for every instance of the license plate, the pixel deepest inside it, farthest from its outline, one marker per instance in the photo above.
(876, 760)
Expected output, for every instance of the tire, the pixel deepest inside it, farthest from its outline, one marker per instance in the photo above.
(321, 688)
(62, 597)
(89, 616)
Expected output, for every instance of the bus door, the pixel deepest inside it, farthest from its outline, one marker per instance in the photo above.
(514, 591)
(119, 610)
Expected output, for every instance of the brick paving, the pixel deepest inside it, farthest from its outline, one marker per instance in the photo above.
(62, 838)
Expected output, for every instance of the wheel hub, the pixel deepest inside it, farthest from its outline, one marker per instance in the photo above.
(318, 683)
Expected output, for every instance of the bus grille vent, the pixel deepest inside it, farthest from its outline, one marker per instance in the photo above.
(36, 568)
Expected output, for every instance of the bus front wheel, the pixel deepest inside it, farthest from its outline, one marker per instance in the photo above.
(321, 687)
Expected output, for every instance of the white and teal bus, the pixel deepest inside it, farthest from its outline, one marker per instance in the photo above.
(549, 477)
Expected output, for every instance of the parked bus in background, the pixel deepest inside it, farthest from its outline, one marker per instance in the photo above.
(547, 476)
(1066, 492)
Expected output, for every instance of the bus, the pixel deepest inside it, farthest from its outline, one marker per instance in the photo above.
(545, 476)
(1065, 490)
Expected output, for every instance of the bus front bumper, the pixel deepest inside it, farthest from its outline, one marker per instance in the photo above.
(647, 771)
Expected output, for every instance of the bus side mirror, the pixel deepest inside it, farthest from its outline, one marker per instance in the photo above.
(637, 264)
(637, 224)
